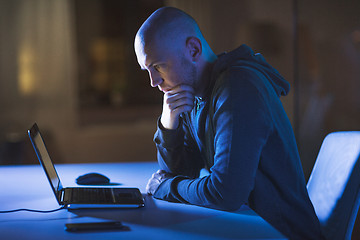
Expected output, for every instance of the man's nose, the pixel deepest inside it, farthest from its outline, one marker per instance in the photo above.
(155, 79)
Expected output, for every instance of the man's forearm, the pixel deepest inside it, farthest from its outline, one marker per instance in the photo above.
(174, 153)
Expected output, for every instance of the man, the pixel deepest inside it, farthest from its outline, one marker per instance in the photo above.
(222, 113)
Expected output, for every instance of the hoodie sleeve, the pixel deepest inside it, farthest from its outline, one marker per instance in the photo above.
(241, 128)
(176, 151)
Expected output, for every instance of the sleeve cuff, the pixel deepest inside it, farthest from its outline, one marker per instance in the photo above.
(168, 138)
(167, 190)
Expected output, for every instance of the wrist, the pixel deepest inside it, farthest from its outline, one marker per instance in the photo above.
(169, 123)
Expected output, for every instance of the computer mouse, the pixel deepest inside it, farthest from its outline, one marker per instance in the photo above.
(92, 179)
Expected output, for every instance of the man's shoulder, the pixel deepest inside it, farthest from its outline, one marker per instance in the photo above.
(239, 78)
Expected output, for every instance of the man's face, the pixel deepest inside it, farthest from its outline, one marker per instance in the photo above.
(167, 67)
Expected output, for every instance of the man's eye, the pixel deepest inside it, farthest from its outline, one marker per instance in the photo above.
(157, 67)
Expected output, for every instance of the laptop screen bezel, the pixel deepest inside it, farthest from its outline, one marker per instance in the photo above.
(45, 161)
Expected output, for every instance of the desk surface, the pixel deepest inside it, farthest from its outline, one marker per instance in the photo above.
(27, 187)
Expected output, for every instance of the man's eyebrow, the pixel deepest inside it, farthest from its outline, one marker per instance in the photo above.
(148, 67)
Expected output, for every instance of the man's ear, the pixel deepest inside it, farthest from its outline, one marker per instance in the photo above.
(193, 44)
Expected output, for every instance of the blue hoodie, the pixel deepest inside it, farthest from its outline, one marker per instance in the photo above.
(240, 132)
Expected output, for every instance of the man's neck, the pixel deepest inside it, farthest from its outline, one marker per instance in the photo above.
(205, 77)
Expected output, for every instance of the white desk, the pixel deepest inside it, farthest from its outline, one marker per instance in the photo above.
(27, 187)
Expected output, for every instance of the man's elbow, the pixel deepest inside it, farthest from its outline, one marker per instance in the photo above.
(230, 205)
(227, 200)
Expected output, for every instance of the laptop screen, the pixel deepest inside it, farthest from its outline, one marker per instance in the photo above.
(45, 160)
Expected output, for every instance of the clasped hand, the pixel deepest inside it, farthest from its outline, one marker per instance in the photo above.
(177, 100)
(155, 180)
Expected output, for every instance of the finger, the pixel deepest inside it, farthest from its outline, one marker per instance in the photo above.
(179, 99)
(155, 176)
(152, 185)
(181, 88)
(170, 98)
(148, 187)
(161, 175)
(182, 109)
(181, 104)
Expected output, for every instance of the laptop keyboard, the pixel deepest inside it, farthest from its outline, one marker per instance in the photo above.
(100, 196)
(92, 195)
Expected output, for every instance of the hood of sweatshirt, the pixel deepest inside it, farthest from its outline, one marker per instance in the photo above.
(245, 56)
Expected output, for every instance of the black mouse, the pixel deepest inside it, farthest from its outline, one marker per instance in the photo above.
(92, 179)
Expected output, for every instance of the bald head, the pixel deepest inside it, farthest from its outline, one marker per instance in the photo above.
(166, 26)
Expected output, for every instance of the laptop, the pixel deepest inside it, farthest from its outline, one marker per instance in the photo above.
(82, 197)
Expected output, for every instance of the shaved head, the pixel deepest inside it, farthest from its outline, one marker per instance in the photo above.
(167, 26)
